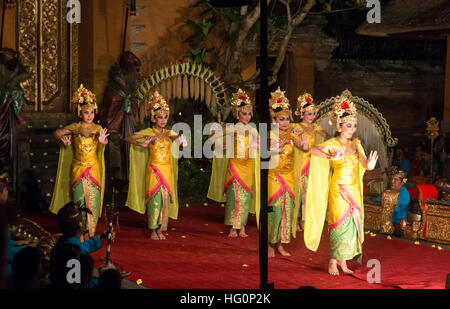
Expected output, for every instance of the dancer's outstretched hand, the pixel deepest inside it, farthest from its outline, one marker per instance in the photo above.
(372, 161)
(103, 136)
(183, 140)
(338, 155)
(148, 140)
(66, 140)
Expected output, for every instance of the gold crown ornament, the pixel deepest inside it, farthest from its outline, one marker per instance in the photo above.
(84, 99)
(158, 105)
(305, 102)
(4, 177)
(279, 104)
(394, 172)
(239, 102)
(344, 110)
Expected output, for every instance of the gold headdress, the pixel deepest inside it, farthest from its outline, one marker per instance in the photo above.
(344, 111)
(394, 172)
(240, 101)
(305, 103)
(279, 104)
(3, 181)
(157, 105)
(84, 99)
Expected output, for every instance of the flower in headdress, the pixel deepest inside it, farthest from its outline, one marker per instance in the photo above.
(308, 100)
(404, 180)
(344, 105)
(243, 98)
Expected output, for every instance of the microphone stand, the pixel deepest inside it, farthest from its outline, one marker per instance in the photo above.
(108, 262)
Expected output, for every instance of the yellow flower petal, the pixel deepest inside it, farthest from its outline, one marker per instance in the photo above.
(46, 140)
(244, 265)
(34, 166)
(433, 246)
(45, 153)
(45, 125)
(48, 195)
(205, 204)
(139, 281)
(220, 232)
(417, 243)
(38, 181)
(29, 126)
(372, 234)
(31, 154)
(183, 236)
(439, 248)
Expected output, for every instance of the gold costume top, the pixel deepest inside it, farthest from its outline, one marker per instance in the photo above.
(240, 165)
(285, 157)
(85, 144)
(159, 151)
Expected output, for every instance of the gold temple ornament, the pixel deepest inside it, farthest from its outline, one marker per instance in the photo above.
(433, 133)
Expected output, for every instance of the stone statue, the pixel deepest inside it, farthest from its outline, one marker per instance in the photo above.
(12, 73)
(116, 112)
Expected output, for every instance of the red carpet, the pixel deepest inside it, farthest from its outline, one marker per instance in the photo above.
(197, 254)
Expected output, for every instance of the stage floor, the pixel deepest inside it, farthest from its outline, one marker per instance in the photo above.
(198, 254)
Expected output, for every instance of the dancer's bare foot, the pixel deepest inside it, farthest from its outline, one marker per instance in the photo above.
(282, 251)
(160, 234)
(332, 267)
(344, 267)
(270, 251)
(242, 232)
(232, 233)
(154, 235)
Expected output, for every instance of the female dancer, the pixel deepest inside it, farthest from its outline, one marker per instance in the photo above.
(342, 192)
(81, 166)
(307, 111)
(154, 169)
(283, 140)
(241, 182)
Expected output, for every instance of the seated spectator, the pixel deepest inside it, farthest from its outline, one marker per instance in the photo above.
(58, 270)
(13, 246)
(70, 221)
(416, 164)
(443, 187)
(87, 272)
(401, 161)
(426, 165)
(397, 180)
(110, 279)
(27, 270)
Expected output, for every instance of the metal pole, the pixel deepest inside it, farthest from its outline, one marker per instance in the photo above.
(3, 22)
(125, 30)
(264, 97)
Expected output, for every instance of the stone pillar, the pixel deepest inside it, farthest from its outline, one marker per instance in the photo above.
(446, 115)
(445, 123)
